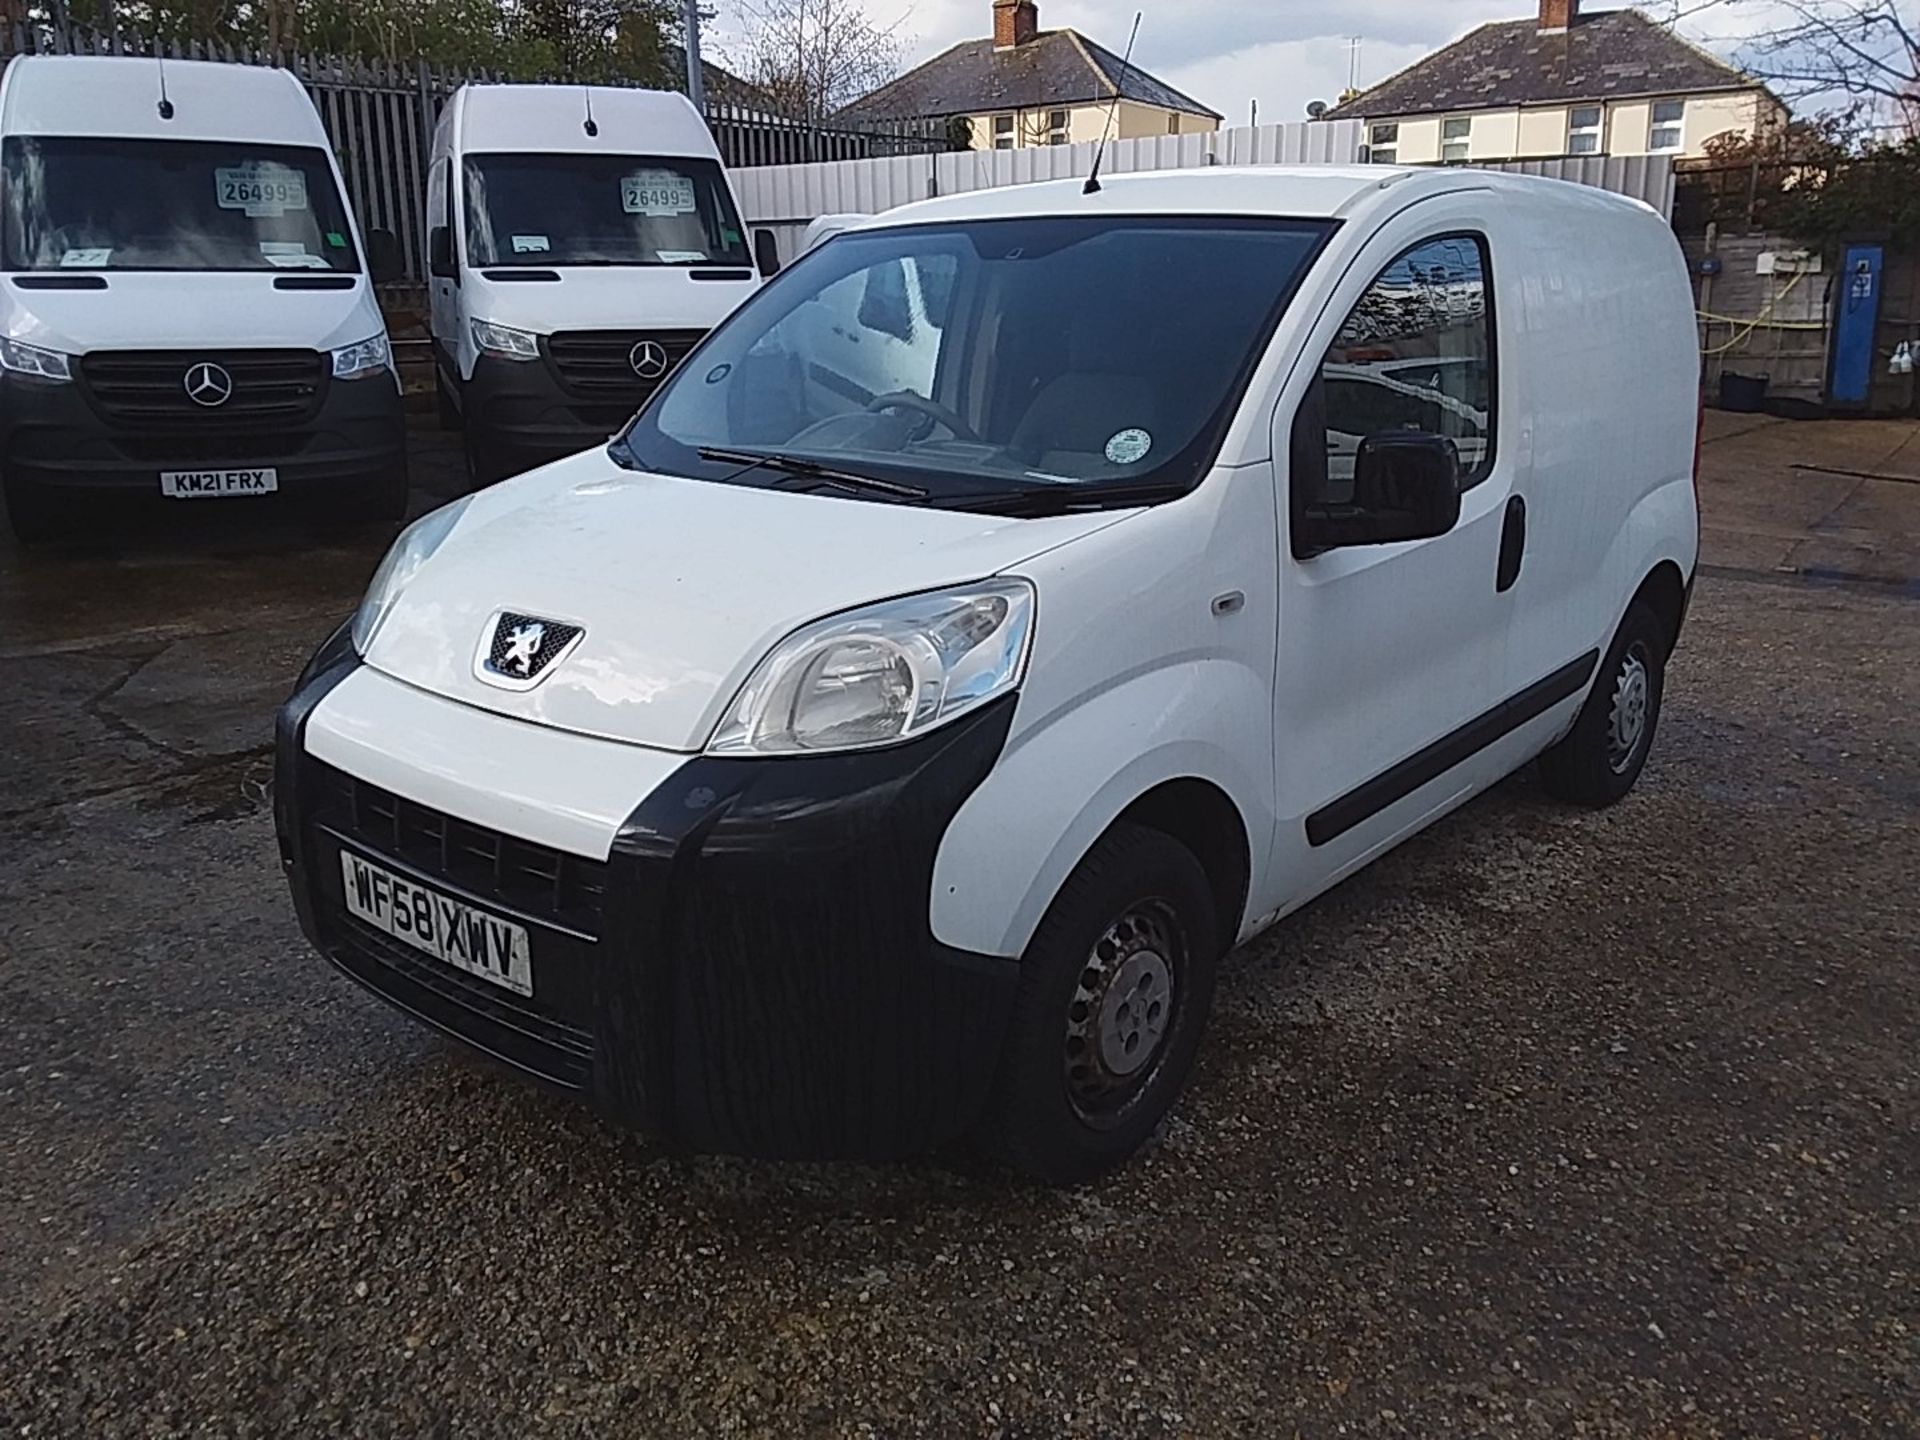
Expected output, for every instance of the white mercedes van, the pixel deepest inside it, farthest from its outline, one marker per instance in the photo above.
(581, 241)
(816, 772)
(187, 307)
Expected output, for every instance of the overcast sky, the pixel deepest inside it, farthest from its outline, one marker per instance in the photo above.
(1283, 53)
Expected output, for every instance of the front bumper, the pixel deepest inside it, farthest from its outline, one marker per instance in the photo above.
(53, 441)
(750, 970)
(518, 416)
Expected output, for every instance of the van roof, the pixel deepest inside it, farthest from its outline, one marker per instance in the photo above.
(552, 118)
(120, 95)
(1295, 191)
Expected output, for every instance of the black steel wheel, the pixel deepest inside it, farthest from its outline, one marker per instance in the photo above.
(1114, 995)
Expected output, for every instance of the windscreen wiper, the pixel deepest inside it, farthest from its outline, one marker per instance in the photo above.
(809, 470)
(1049, 499)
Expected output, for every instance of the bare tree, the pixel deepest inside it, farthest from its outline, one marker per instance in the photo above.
(1868, 50)
(814, 56)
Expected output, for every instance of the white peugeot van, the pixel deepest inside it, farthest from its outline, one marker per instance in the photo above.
(581, 241)
(187, 308)
(813, 772)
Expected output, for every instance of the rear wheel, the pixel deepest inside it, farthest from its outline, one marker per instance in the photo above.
(1602, 756)
(1114, 994)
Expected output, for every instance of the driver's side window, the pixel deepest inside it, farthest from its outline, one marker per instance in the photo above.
(1415, 356)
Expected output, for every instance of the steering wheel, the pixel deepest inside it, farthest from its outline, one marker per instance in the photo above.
(932, 409)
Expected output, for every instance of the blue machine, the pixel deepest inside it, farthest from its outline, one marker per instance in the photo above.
(1856, 319)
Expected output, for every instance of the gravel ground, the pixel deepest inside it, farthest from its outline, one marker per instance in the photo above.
(1550, 1123)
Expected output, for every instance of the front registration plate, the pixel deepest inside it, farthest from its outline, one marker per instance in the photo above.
(463, 937)
(217, 484)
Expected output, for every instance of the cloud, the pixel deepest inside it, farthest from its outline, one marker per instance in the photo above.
(1284, 75)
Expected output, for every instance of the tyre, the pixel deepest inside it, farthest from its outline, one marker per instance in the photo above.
(1601, 757)
(1114, 994)
(37, 518)
(444, 408)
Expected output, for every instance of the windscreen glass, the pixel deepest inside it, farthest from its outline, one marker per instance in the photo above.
(98, 203)
(1054, 352)
(525, 209)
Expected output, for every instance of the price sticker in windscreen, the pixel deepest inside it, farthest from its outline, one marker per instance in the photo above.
(260, 190)
(657, 192)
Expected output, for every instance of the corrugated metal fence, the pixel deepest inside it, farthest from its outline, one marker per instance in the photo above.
(380, 118)
(786, 198)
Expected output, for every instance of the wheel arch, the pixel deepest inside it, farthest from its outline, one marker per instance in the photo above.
(1664, 591)
(1202, 817)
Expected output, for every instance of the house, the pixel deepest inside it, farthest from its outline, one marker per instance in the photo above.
(1615, 82)
(1027, 86)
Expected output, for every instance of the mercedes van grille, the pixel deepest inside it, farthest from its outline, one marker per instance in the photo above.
(518, 877)
(147, 387)
(599, 364)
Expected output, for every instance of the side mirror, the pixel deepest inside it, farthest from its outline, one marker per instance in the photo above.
(766, 253)
(1406, 486)
(383, 257)
(440, 253)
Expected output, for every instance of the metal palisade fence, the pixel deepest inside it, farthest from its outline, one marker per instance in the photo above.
(380, 117)
(785, 198)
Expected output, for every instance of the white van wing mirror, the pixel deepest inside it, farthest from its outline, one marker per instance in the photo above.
(440, 253)
(1406, 486)
(766, 253)
(383, 257)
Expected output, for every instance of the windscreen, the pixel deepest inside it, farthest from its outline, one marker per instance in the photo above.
(525, 209)
(104, 203)
(1053, 352)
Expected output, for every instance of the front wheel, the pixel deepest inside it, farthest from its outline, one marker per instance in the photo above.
(1114, 994)
(1601, 757)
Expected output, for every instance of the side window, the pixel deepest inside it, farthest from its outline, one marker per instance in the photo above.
(1415, 356)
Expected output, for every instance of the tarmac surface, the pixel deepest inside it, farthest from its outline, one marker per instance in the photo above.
(1550, 1123)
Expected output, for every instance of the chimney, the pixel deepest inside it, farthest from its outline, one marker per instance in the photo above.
(1558, 14)
(1015, 22)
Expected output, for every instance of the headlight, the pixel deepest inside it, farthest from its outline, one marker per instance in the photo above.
(412, 550)
(31, 360)
(504, 341)
(369, 357)
(884, 673)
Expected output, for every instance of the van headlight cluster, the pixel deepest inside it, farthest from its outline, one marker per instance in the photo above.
(364, 358)
(17, 358)
(503, 342)
(411, 551)
(883, 673)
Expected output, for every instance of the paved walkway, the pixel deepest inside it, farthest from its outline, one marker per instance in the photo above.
(1816, 498)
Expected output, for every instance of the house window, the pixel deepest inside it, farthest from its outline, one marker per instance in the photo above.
(1665, 134)
(1059, 126)
(1173, 124)
(1454, 136)
(1583, 130)
(1003, 132)
(1383, 142)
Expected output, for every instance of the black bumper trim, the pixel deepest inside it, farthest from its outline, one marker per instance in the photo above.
(52, 441)
(766, 980)
(518, 416)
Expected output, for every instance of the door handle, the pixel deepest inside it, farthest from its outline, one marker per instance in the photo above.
(1513, 544)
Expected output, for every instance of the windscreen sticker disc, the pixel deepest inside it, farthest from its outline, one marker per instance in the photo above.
(1129, 447)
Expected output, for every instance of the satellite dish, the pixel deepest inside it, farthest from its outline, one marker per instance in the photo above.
(1316, 109)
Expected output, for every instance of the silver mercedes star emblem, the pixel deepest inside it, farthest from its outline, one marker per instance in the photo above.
(207, 384)
(648, 359)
